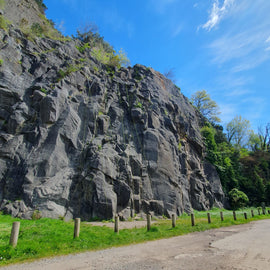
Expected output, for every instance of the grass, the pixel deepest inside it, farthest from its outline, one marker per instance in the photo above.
(47, 237)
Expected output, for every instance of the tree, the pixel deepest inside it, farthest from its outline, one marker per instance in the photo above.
(208, 108)
(238, 130)
(264, 137)
(170, 74)
(237, 198)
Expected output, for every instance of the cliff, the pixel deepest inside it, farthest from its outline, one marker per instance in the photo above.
(80, 138)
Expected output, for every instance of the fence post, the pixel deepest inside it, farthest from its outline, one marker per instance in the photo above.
(234, 215)
(221, 216)
(77, 223)
(209, 217)
(259, 211)
(148, 222)
(14, 234)
(192, 220)
(245, 215)
(252, 213)
(116, 224)
(263, 211)
(173, 220)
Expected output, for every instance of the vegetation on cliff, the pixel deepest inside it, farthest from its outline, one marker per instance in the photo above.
(241, 156)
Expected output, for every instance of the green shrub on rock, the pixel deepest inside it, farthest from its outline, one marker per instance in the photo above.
(237, 198)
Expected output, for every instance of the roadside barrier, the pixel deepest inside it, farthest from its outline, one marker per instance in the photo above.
(16, 225)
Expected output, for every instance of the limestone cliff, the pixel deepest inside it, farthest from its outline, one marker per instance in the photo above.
(79, 138)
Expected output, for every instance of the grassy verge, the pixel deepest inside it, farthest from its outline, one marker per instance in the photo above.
(47, 237)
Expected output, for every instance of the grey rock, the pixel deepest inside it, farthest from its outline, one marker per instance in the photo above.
(85, 148)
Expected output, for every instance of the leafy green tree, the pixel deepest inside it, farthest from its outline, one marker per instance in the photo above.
(237, 198)
(208, 107)
(254, 143)
(264, 137)
(238, 130)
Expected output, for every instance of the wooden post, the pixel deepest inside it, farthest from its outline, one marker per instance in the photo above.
(259, 211)
(14, 234)
(148, 222)
(116, 224)
(77, 223)
(173, 220)
(263, 211)
(221, 216)
(252, 213)
(209, 217)
(245, 215)
(234, 215)
(192, 220)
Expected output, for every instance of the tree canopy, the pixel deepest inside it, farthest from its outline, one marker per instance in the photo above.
(240, 155)
(238, 131)
(208, 107)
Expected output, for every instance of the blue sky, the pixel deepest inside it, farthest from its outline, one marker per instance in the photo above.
(221, 46)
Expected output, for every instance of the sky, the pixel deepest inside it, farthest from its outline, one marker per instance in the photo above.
(221, 46)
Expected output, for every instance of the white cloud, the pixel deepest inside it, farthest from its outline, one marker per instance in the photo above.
(217, 13)
(61, 26)
(243, 50)
(177, 30)
(228, 111)
(268, 40)
(161, 5)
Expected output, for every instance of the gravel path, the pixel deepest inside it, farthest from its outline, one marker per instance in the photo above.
(122, 225)
(242, 247)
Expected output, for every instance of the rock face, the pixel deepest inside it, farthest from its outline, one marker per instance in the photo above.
(81, 139)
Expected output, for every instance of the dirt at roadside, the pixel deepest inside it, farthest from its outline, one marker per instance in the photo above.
(122, 225)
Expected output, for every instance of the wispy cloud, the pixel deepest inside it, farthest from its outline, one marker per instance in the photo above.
(161, 5)
(61, 26)
(217, 13)
(246, 49)
(177, 30)
(246, 45)
(228, 111)
(268, 44)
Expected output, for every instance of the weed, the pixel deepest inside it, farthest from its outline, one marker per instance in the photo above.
(2, 4)
(1, 62)
(37, 30)
(139, 105)
(82, 49)
(36, 215)
(43, 90)
(95, 69)
(63, 73)
(179, 145)
(3, 23)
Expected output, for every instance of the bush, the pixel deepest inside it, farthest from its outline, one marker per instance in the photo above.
(36, 215)
(37, 30)
(83, 48)
(237, 198)
(3, 23)
(101, 50)
(42, 7)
